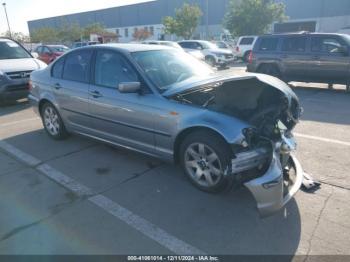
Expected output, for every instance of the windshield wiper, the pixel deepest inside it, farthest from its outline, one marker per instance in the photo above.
(209, 101)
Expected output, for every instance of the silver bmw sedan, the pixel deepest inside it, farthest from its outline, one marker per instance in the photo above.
(224, 130)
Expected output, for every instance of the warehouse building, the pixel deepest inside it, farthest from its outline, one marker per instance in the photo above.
(309, 15)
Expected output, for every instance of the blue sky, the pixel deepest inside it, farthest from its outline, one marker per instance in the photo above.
(21, 11)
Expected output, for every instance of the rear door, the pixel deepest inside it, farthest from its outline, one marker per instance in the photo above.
(70, 82)
(331, 63)
(294, 57)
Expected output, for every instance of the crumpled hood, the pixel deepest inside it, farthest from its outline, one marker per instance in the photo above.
(23, 64)
(199, 81)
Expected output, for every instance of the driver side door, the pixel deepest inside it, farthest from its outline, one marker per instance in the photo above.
(126, 119)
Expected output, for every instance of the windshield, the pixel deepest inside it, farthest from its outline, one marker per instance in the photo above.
(167, 67)
(59, 49)
(11, 50)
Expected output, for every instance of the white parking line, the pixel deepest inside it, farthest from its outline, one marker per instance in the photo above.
(145, 227)
(334, 141)
(19, 122)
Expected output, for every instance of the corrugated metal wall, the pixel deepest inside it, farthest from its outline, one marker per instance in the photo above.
(153, 12)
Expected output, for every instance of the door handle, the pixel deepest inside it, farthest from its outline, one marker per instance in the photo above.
(284, 56)
(315, 57)
(57, 86)
(96, 94)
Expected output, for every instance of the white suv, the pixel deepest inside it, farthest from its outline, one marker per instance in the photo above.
(214, 56)
(244, 45)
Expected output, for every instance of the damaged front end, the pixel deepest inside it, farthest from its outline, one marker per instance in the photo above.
(263, 159)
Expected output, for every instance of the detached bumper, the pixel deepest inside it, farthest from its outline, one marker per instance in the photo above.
(269, 190)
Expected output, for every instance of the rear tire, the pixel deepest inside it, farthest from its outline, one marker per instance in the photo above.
(246, 56)
(52, 122)
(204, 157)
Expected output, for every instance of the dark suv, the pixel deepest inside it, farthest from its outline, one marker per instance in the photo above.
(304, 57)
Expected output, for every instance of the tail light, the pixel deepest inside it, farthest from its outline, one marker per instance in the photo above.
(250, 57)
(237, 48)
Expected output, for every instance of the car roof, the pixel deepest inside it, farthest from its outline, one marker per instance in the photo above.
(301, 34)
(130, 48)
(199, 41)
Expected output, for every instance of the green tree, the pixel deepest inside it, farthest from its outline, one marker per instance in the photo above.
(69, 32)
(185, 21)
(95, 28)
(18, 36)
(44, 35)
(253, 17)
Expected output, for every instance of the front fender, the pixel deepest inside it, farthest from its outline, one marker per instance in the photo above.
(229, 128)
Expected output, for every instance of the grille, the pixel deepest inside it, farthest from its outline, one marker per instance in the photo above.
(229, 56)
(19, 75)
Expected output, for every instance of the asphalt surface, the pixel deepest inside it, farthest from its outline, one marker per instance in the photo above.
(82, 197)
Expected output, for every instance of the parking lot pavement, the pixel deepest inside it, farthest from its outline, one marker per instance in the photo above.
(137, 204)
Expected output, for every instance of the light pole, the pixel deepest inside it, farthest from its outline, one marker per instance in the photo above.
(7, 19)
(207, 19)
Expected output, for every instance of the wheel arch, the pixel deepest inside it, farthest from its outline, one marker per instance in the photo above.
(186, 132)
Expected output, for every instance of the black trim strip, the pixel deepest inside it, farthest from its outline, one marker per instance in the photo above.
(119, 123)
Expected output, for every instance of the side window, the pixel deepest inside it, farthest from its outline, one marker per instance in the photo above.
(268, 44)
(246, 41)
(191, 45)
(111, 69)
(184, 44)
(294, 44)
(57, 68)
(39, 49)
(77, 66)
(45, 50)
(326, 45)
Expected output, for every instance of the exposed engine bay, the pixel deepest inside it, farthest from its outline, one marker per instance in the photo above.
(264, 107)
(271, 113)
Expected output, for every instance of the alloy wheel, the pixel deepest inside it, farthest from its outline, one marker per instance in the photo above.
(51, 121)
(203, 165)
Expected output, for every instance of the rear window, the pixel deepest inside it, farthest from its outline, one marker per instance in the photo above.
(294, 44)
(246, 41)
(268, 44)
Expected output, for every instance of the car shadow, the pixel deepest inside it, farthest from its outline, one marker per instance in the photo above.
(324, 105)
(222, 224)
(13, 106)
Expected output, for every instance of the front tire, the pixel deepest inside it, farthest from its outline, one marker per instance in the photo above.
(52, 122)
(204, 157)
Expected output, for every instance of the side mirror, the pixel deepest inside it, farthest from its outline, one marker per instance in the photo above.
(129, 87)
(35, 54)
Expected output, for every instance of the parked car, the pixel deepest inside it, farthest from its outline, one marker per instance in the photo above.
(244, 46)
(214, 56)
(303, 57)
(166, 43)
(48, 53)
(224, 45)
(223, 130)
(195, 53)
(82, 44)
(16, 64)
